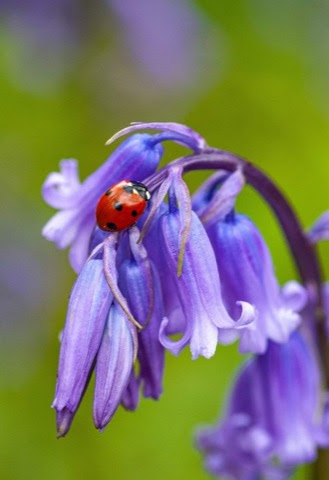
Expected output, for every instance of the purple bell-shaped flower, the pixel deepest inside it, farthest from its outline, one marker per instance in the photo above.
(271, 423)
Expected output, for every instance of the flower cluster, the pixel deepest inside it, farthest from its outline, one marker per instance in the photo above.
(197, 268)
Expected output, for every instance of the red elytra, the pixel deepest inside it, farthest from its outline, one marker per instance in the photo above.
(121, 205)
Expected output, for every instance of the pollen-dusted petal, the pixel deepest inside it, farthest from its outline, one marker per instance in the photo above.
(187, 136)
(59, 189)
(113, 366)
(87, 312)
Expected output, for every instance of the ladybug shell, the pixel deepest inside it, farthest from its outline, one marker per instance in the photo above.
(121, 205)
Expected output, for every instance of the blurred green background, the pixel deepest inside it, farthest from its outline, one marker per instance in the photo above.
(251, 76)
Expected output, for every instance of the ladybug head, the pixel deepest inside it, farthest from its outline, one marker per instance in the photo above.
(141, 190)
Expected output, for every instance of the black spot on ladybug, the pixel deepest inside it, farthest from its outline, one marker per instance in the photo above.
(134, 213)
(118, 206)
(108, 192)
(112, 226)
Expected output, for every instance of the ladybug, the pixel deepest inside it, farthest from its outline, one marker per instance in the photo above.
(121, 205)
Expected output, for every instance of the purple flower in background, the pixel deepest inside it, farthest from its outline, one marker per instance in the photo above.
(245, 267)
(320, 229)
(48, 38)
(168, 47)
(271, 422)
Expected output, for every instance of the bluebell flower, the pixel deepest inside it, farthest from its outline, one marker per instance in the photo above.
(136, 158)
(197, 268)
(190, 279)
(173, 60)
(88, 310)
(271, 423)
(114, 364)
(97, 336)
(245, 268)
(45, 37)
(100, 332)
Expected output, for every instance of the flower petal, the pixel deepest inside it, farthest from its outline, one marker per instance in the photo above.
(271, 414)
(113, 366)
(59, 189)
(320, 229)
(203, 195)
(247, 274)
(80, 245)
(179, 132)
(174, 346)
(110, 271)
(294, 296)
(140, 285)
(62, 228)
(130, 397)
(223, 200)
(87, 312)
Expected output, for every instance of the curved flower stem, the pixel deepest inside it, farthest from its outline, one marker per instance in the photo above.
(302, 250)
(304, 254)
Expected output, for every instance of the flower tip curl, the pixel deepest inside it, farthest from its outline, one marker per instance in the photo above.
(176, 132)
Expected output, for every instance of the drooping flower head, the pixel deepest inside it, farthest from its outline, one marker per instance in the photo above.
(245, 266)
(192, 278)
(117, 289)
(196, 268)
